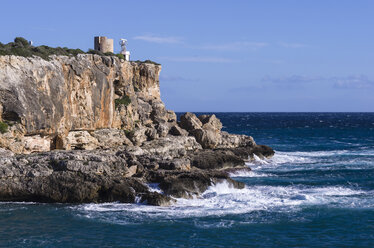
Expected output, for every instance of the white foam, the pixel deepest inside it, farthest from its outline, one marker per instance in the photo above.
(248, 173)
(154, 187)
(221, 199)
(278, 159)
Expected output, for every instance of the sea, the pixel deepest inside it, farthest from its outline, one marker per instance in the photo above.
(317, 191)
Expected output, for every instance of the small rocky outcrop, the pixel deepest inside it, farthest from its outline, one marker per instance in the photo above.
(94, 129)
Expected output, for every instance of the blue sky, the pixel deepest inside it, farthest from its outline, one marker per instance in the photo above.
(224, 55)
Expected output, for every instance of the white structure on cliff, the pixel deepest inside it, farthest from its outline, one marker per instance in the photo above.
(123, 43)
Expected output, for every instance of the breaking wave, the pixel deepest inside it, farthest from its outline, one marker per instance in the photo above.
(221, 199)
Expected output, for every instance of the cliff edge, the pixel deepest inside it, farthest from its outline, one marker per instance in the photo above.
(93, 128)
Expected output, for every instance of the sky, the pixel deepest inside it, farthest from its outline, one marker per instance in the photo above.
(224, 56)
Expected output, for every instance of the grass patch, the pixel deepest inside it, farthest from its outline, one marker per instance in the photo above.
(3, 127)
(125, 100)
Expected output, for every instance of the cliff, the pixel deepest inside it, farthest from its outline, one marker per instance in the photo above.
(48, 103)
(107, 115)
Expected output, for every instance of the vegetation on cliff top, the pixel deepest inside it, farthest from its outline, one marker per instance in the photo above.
(22, 47)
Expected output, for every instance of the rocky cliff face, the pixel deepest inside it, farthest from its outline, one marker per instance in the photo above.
(62, 102)
(110, 134)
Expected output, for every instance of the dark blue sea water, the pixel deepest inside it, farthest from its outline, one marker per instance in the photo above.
(317, 191)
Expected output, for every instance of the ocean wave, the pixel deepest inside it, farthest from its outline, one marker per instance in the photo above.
(317, 158)
(250, 173)
(279, 158)
(221, 199)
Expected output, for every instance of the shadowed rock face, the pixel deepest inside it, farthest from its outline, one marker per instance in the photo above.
(94, 129)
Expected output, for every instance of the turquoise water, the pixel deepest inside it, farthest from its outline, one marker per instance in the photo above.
(317, 191)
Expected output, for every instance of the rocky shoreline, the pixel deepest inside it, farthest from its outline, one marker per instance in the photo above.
(94, 129)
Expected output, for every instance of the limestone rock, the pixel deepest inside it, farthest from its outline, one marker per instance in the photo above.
(189, 121)
(50, 99)
(216, 159)
(210, 121)
(36, 143)
(208, 138)
(80, 140)
(109, 138)
(177, 131)
(179, 164)
(235, 140)
(171, 146)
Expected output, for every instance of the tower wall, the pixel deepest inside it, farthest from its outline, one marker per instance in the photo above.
(103, 44)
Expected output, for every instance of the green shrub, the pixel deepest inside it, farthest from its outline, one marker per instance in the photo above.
(109, 54)
(125, 100)
(21, 47)
(120, 56)
(20, 41)
(147, 62)
(3, 127)
(91, 51)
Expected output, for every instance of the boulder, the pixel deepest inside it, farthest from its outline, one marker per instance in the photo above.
(189, 121)
(207, 138)
(190, 184)
(80, 140)
(211, 121)
(156, 199)
(235, 140)
(216, 159)
(177, 131)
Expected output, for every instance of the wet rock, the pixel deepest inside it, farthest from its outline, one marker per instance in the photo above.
(188, 185)
(216, 159)
(156, 199)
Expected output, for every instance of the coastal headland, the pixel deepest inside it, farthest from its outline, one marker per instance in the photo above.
(93, 128)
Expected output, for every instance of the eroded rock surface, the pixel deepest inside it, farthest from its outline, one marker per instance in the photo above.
(94, 129)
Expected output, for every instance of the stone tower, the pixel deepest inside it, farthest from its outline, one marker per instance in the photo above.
(103, 44)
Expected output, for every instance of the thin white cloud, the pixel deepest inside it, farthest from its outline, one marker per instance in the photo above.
(292, 45)
(159, 39)
(199, 59)
(293, 79)
(353, 82)
(345, 82)
(235, 46)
